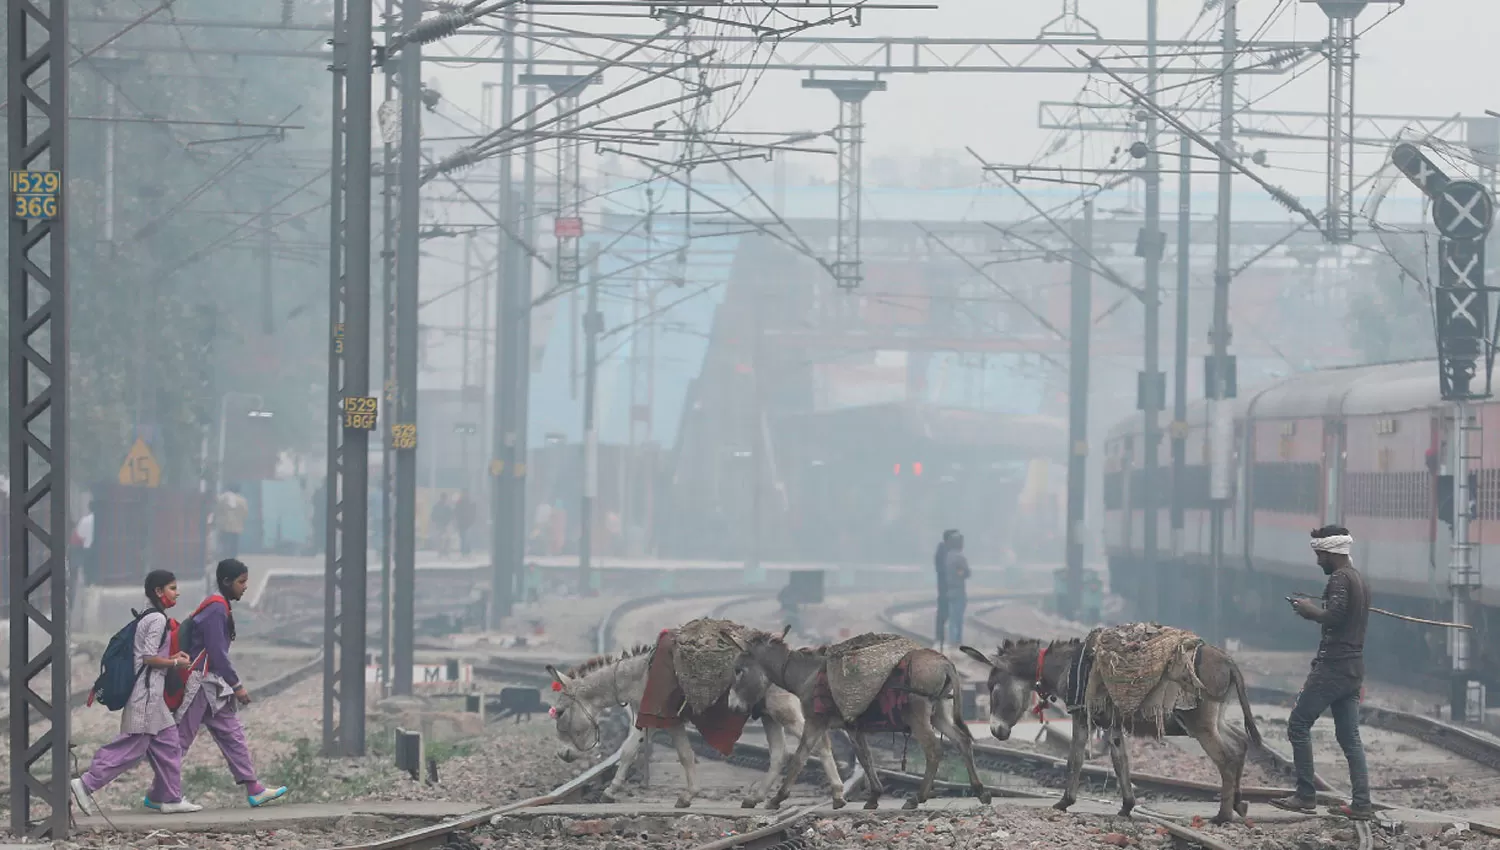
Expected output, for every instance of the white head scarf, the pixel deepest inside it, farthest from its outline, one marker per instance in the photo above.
(1338, 544)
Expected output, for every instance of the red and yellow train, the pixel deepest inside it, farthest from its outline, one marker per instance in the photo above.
(1365, 447)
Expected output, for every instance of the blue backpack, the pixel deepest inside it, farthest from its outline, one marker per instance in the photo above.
(117, 673)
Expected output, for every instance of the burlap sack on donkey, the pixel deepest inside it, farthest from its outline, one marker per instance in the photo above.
(1144, 670)
(858, 667)
(704, 660)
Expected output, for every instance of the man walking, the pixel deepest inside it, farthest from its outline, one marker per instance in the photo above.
(1337, 677)
(940, 566)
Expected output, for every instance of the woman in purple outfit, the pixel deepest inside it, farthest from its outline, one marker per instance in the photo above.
(214, 690)
(147, 730)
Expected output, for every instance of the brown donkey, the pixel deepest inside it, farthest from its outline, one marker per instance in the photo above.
(931, 679)
(1021, 668)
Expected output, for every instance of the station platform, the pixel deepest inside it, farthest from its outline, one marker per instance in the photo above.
(293, 584)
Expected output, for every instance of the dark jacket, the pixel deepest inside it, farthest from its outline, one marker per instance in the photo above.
(956, 565)
(940, 565)
(1346, 610)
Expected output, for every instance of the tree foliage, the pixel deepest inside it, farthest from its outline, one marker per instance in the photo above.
(1391, 319)
(166, 238)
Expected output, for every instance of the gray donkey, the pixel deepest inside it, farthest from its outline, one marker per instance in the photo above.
(766, 658)
(607, 681)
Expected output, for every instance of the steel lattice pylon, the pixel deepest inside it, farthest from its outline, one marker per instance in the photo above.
(37, 90)
(1338, 220)
(850, 137)
(348, 379)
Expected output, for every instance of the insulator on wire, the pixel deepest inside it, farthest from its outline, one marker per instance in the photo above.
(435, 28)
(460, 160)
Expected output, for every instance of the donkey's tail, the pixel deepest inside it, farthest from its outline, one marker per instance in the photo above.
(954, 686)
(1238, 680)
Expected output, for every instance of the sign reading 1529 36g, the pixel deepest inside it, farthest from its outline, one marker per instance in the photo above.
(33, 194)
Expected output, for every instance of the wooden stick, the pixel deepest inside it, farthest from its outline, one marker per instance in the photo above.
(1420, 620)
(1394, 615)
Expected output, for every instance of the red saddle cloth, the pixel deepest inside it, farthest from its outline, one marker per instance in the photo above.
(664, 706)
(886, 713)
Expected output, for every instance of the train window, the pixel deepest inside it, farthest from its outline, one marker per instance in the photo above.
(1114, 491)
(1390, 495)
(1291, 488)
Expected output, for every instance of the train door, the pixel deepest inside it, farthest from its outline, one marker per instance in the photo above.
(1333, 472)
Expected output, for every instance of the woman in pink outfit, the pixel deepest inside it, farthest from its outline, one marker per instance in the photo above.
(147, 728)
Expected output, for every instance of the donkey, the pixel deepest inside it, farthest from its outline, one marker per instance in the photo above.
(600, 683)
(1023, 667)
(766, 659)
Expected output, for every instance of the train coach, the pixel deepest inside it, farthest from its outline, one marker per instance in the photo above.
(1365, 447)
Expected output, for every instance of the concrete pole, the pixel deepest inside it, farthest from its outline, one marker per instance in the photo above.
(505, 270)
(1221, 424)
(592, 324)
(1150, 395)
(1180, 358)
(388, 362)
(1463, 577)
(408, 264)
(1080, 324)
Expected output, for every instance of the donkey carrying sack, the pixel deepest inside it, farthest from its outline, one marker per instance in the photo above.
(1144, 670)
(858, 669)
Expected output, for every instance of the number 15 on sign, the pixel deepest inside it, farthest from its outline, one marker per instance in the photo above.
(34, 194)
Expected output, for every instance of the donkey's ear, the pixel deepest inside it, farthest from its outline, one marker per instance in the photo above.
(561, 680)
(735, 639)
(1007, 644)
(786, 630)
(976, 655)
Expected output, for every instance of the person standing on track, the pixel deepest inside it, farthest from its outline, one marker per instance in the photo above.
(940, 567)
(1337, 677)
(147, 730)
(956, 565)
(214, 689)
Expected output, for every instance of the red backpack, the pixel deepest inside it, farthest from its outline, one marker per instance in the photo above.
(177, 677)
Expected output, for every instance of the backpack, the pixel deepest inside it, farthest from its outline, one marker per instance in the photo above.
(183, 635)
(117, 673)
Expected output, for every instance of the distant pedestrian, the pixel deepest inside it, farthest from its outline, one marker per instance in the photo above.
(465, 514)
(958, 587)
(230, 516)
(214, 690)
(940, 567)
(441, 522)
(147, 730)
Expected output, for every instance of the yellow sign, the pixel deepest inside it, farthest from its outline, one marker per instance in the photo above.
(360, 412)
(140, 468)
(497, 467)
(519, 470)
(403, 436)
(34, 194)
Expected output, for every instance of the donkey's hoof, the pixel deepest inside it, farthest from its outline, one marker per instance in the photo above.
(683, 802)
(1125, 811)
(1243, 808)
(749, 803)
(840, 803)
(872, 804)
(911, 803)
(984, 797)
(1062, 805)
(1221, 819)
(773, 804)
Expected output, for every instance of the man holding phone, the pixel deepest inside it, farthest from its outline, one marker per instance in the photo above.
(1337, 677)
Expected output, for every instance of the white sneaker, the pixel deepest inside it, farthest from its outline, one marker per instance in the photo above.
(82, 798)
(181, 808)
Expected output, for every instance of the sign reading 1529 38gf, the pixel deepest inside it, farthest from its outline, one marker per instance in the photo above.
(33, 194)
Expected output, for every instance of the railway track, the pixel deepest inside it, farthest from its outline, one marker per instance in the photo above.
(1475, 747)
